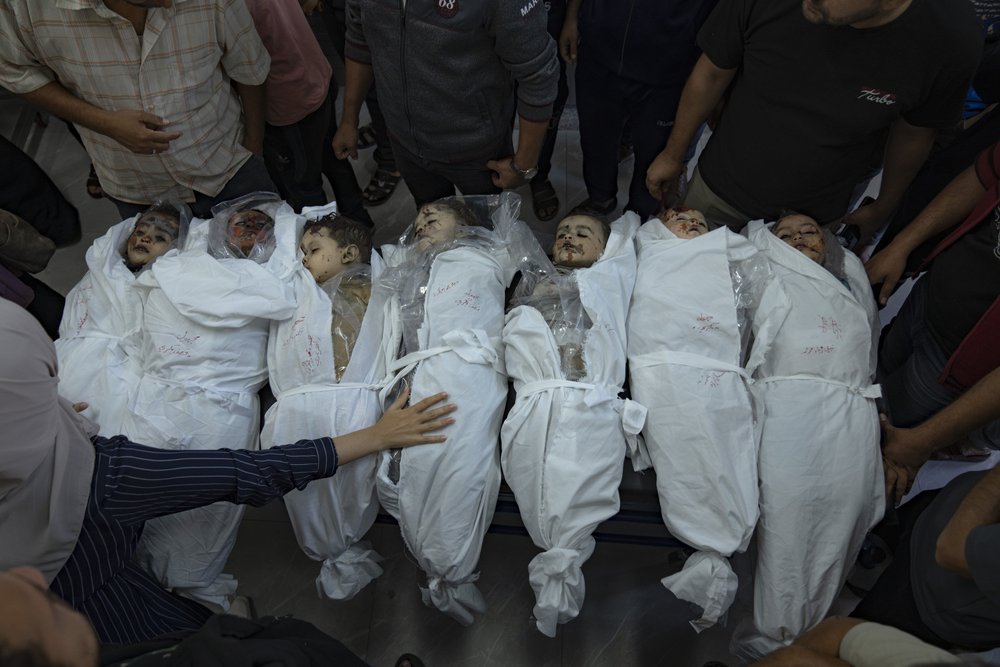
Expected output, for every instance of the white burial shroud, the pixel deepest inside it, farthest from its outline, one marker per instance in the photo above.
(330, 516)
(204, 344)
(700, 436)
(821, 484)
(564, 442)
(97, 347)
(446, 493)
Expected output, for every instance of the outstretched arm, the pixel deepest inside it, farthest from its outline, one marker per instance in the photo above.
(905, 152)
(907, 449)
(138, 483)
(945, 211)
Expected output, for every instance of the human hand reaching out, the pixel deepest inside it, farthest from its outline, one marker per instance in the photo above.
(903, 454)
(663, 174)
(886, 267)
(399, 426)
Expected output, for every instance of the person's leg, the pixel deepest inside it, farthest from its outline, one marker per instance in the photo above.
(294, 157)
(602, 118)
(891, 601)
(384, 155)
(425, 185)
(911, 361)
(652, 111)
(340, 173)
(47, 306)
(251, 177)
(543, 196)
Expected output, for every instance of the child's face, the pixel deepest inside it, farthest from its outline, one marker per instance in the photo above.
(322, 255)
(246, 226)
(802, 233)
(151, 237)
(579, 242)
(435, 225)
(685, 224)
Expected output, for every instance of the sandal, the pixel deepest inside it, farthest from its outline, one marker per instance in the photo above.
(366, 136)
(94, 188)
(380, 188)
(413, 660)
(544, 200)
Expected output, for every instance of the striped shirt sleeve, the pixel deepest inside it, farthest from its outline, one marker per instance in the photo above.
(142, 483)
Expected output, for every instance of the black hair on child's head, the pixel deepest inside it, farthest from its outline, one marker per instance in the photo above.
(345, 232)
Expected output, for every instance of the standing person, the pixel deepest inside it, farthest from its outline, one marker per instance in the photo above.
(819, 95)
(386, 177)
(544, 199)
(301, 93)
(156, 89)
(632, 62)
(445, 71)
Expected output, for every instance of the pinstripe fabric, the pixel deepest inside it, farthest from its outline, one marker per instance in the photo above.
(133, 483)
(179, 69)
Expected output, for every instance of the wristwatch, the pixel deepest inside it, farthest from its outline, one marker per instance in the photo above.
(526, 174)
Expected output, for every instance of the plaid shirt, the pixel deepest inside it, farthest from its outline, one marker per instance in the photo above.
(179, 69)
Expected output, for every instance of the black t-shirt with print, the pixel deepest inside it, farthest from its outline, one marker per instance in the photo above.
(809, 110)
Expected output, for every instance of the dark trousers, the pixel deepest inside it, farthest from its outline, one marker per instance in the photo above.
(557, 14)
(298, 155)
(891, 601)
(47, 306)
(251, 177)
(429, 180)
(605, 102)
(336, 27)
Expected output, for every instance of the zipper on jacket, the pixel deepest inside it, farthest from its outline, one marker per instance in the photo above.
(402, 70)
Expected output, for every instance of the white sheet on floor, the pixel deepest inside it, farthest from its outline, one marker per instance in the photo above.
(447, 493)
(330, 516)
(204, 344)
(563, 442)
(821, 483)
(701, 436)
(97, 349)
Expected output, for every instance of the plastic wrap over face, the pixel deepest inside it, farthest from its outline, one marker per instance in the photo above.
(160, 228)
(750, 278)
(555, 293)
(349, 292)
(484, 222)
(243, 228)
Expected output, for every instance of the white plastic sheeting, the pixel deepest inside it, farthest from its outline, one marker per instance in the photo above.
(563, 441)
(446, 494)
(330, 516)
(203, 347)
(701, 436)
(97, 349)
(821, 484)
